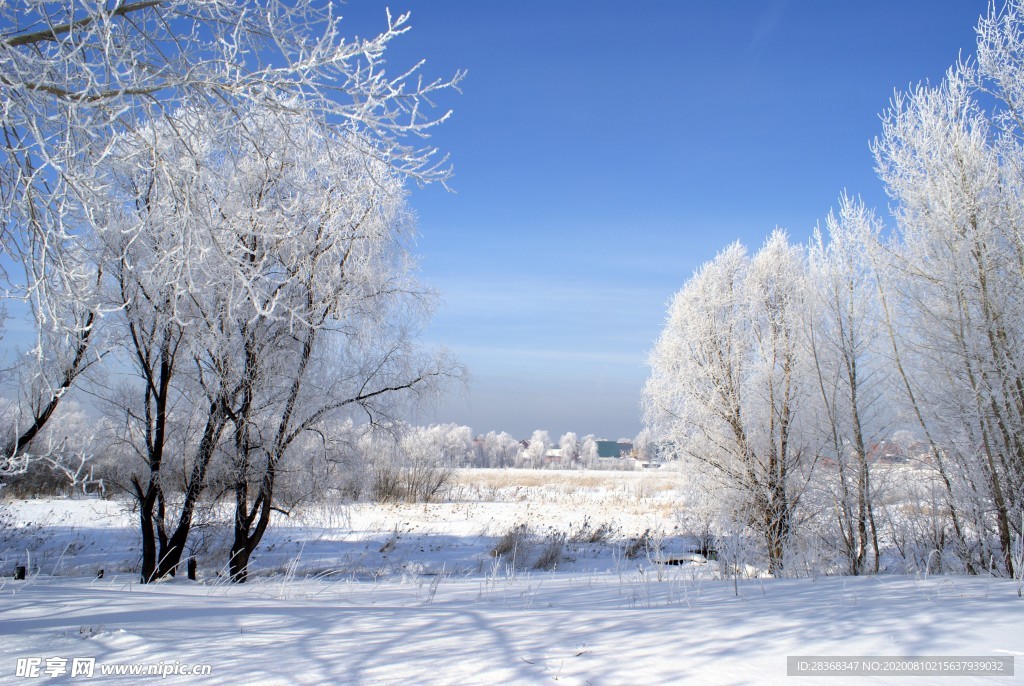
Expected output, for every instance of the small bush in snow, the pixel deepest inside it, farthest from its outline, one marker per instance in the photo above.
(640, 546)
(594, 535)
(513, 545)
(552, 552)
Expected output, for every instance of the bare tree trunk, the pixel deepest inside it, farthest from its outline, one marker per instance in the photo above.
(171, 553)
(148, 530)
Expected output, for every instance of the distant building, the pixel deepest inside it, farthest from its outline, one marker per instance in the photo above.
(614, 449)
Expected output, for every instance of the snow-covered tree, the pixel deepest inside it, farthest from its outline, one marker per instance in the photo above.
(411, 463)
(570, 446)
(501, 450)
(280, 265)
(537, 449)
(850, 371)
(588, 451)
(150, 155)
(953, 274)
(729, 383)
(454, 443)
(644, 447)
(79, 75)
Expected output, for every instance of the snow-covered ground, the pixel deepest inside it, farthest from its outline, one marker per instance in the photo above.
(598, 628)
(410, 594)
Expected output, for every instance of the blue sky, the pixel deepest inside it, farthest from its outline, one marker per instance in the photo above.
(605, 150)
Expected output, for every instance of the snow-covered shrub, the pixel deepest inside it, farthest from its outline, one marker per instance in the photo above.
(920, 530)
(414, 466)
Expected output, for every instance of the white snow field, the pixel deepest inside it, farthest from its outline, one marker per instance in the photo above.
(410, 594)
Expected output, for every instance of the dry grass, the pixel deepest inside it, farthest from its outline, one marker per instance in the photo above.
(493, 481)
(552, 552)
(640, 546)
(514, 545)
(653, 493)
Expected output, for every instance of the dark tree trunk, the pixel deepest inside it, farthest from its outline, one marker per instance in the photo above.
(148, 545)
(172, 552)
